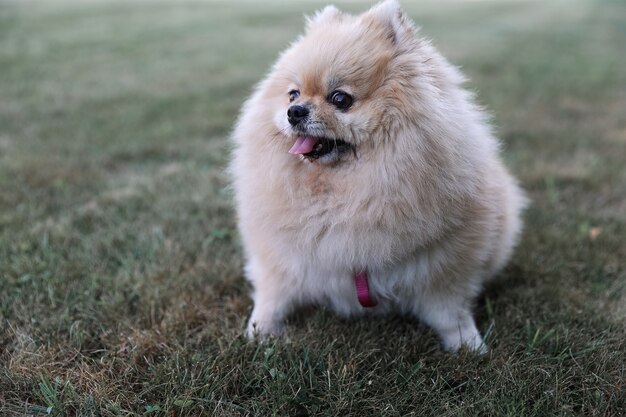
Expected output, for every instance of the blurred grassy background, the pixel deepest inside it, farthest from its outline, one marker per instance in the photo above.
(121, 290)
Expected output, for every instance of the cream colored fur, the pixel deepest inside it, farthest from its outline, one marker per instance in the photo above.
(424, 203)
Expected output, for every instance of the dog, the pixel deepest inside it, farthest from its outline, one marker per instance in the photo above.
(367, 180)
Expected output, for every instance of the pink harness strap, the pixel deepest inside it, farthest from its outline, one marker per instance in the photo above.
(363, 290)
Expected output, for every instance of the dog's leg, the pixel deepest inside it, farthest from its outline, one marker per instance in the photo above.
(273, 301)
(451, 317)
(268, 314)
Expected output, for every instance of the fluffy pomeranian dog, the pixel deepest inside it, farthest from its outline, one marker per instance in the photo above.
(367, 180)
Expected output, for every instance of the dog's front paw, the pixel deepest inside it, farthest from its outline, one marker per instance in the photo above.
(259, 330)
(470, 339)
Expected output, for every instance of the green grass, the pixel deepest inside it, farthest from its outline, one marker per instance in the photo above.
(121, 291)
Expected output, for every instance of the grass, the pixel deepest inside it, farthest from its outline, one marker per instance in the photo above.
(121, 291)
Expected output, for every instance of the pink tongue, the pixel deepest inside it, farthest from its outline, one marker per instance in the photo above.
(304, 144)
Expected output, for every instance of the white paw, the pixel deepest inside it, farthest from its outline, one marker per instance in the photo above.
(469, 339)
(262, 330)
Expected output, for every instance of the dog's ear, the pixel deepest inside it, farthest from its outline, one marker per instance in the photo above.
(390, 15)
(327, 14)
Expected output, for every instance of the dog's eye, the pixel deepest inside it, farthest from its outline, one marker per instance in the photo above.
(340, 99)
(293, 94)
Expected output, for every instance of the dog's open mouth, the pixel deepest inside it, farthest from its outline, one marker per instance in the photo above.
(315, 148)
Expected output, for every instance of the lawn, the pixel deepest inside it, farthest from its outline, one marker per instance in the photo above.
(121, 286)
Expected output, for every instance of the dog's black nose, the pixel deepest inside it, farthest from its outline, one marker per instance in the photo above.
(296, 114)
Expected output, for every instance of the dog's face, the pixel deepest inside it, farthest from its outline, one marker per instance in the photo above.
(332, 88)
